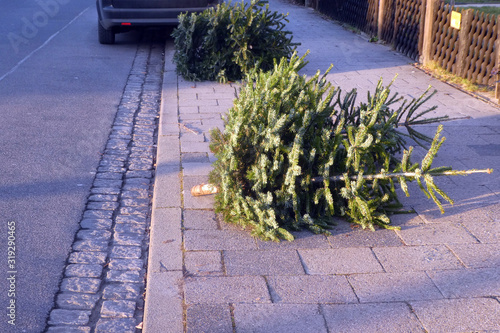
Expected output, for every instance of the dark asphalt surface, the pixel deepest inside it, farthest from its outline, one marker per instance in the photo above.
(59, 89)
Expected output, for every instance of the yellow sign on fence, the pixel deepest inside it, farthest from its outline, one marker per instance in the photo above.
(456, 18)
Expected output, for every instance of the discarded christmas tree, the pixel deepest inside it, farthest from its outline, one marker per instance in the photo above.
(225, 42)
(296, 151)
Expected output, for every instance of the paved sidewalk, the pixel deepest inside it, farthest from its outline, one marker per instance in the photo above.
(439, 273)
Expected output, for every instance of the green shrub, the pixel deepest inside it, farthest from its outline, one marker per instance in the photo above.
(296, 151)
(226, 42)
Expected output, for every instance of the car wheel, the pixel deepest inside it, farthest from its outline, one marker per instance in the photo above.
(105, 36)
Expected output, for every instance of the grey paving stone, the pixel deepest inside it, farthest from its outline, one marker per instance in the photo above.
(260, 262)
(134, 174)
(248, 289)
(195, 157)
(405, 220)
(83, 270)
(479, 282)
(116, 135)
(97, 214)
(105, 190)
(93, 234)
(303, 240)
(371, 318)
(194, 147)
(111, 160)
(459, 315)
(80, 285)
(218, 109)
(130, 252)
(132, 219)
(442, 233)
(139, 211)
(103, 197)
(416, 258)
(126, 264)
(117, 143)
(209, 318)
(69, 317)
(213, 123)
(339, 261)
(278, 318)
(107, 183)
(348, 235)
(142, 152)
(116, 154)
(196, 168)
(165, 240)
(195, 240)
(478, 255)
(104, 205)
(164, 288)
(167, 186)
(311, 289)
(87, 257)
(96, 223)
(493, 212)
(393, 287)
(458, 213)
(143, 138)
(199, 219)
(201, 263)
(122, 129)
(117, 291)
(68, 329)
(130, 228)
(135, 202)
(124, 276)
(118, 309)
(111, 168)
(128, 239)
(90, 245)
(486, 232)
(136, 194)
(168, 128)
(169, 151)
(116, 325)
(137, 183)
(77, 301)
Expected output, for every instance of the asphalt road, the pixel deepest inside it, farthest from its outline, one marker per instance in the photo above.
(59, 89)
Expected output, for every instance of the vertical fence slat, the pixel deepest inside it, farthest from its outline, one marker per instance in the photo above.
(497, 62)
(423, 5)
(428, 25)
(464, 40)
(381, 14)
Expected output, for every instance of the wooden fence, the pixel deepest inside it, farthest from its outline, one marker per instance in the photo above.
(422, 30)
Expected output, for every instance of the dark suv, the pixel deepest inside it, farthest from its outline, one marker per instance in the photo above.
(116, 16)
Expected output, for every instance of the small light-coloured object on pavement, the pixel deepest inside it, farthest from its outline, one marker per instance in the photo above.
(204, 189)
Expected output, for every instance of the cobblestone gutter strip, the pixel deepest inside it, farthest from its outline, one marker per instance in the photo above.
(103, 284)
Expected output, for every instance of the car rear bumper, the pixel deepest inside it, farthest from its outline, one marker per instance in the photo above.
(111, 17)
